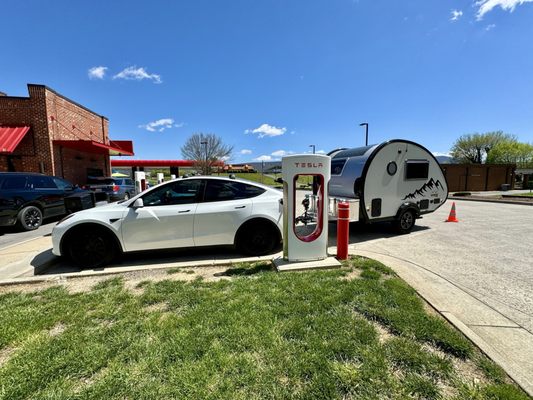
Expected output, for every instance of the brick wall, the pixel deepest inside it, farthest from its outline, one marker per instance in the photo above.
(33, 154)
(52, 116)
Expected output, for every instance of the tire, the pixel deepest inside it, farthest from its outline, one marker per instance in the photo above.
(257, 239)
(90, 247)
(126, 196)
(30, 218)
(405, 222)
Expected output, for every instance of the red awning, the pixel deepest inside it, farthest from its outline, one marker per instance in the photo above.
(157, 163)
(114, 148)
(151, 163)
(10, 137)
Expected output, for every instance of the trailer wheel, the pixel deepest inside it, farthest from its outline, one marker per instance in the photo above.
(405, 222)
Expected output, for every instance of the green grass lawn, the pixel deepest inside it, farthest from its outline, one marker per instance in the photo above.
(354, 333)
(525, 194)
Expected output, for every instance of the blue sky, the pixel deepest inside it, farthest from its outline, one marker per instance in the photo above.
(275, 76)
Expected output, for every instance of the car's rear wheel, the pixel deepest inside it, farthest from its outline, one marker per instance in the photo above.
(90, 247)
(257, 238)
(405, 222)
(30, 218)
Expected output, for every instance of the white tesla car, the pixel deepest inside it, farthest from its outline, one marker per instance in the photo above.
(186, 212)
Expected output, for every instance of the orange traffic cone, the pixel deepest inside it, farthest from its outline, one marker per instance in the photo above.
(452, 217)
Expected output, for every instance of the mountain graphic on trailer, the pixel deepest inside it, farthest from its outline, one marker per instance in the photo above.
(429, 185)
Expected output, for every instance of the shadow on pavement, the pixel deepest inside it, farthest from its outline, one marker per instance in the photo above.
(360, 232)
(141, 259)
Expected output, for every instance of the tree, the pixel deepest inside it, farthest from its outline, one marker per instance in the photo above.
(517, 153)
(476, 147)
(205, 150)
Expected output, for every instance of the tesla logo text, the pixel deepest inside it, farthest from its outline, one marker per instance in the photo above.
(308, 165)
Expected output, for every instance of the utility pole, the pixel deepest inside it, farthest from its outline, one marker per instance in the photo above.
(313, 146)
(365, 124)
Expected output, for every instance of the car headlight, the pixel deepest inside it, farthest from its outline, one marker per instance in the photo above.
(64, 219)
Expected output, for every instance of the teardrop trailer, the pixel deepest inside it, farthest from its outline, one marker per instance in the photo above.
(396, 181)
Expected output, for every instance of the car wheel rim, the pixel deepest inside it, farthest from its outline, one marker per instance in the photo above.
(32, 218)
(91, 249)
(126, 196)
(260, 242)
(406, 221)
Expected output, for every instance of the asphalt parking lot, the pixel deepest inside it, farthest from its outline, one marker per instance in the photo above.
(12, 235)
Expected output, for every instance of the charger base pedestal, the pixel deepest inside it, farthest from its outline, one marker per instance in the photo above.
(285, 266)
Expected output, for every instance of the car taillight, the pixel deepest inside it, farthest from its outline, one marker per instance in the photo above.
(115, 188)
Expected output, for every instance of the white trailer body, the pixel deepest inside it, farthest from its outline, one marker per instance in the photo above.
(394, 181)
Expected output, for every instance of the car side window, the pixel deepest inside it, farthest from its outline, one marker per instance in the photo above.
(219, 190)
(14, 182)
(62, 184)
(129, 182)
(180, 192)
(42, 182)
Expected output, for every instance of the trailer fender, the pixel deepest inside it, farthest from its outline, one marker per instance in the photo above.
(408, 206)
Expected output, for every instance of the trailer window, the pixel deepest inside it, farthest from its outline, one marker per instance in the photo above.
(337, 166)
(416, 169)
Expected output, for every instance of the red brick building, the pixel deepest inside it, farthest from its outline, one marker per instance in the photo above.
(49, 133)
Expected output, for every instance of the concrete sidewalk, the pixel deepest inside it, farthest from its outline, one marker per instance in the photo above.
(26, 258)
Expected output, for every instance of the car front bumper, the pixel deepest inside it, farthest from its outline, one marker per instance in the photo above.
(57, 235)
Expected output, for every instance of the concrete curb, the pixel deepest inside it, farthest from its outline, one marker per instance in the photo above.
(122, 270)
(520, 203)
(486, 348)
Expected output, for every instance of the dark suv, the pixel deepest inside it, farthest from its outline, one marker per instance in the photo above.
(28, 198)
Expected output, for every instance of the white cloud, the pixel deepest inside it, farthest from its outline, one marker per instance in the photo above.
(490, 27)
(246, 151)
(320, 152)
(486, 6)
(263, 158)
(439, 153)
(137, 74)
(267, 130)
(96, 72)
(282, 153)
(161, 124)
(456, 14)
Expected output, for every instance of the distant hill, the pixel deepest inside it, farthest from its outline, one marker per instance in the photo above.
(267, 165)
(445, 160)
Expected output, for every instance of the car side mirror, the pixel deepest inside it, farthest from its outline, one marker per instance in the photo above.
(138, 203)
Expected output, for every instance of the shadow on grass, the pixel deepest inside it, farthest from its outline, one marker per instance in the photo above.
(243, 271)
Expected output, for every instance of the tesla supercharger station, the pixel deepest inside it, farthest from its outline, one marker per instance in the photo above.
(160, 177)
(305, 228)
(140, 181)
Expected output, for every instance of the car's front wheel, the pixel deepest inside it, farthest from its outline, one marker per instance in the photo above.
(257, 238)
(30, 218)
(90, 247)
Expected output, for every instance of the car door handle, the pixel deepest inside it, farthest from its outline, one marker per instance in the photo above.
(183, 211)
(240, 207)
